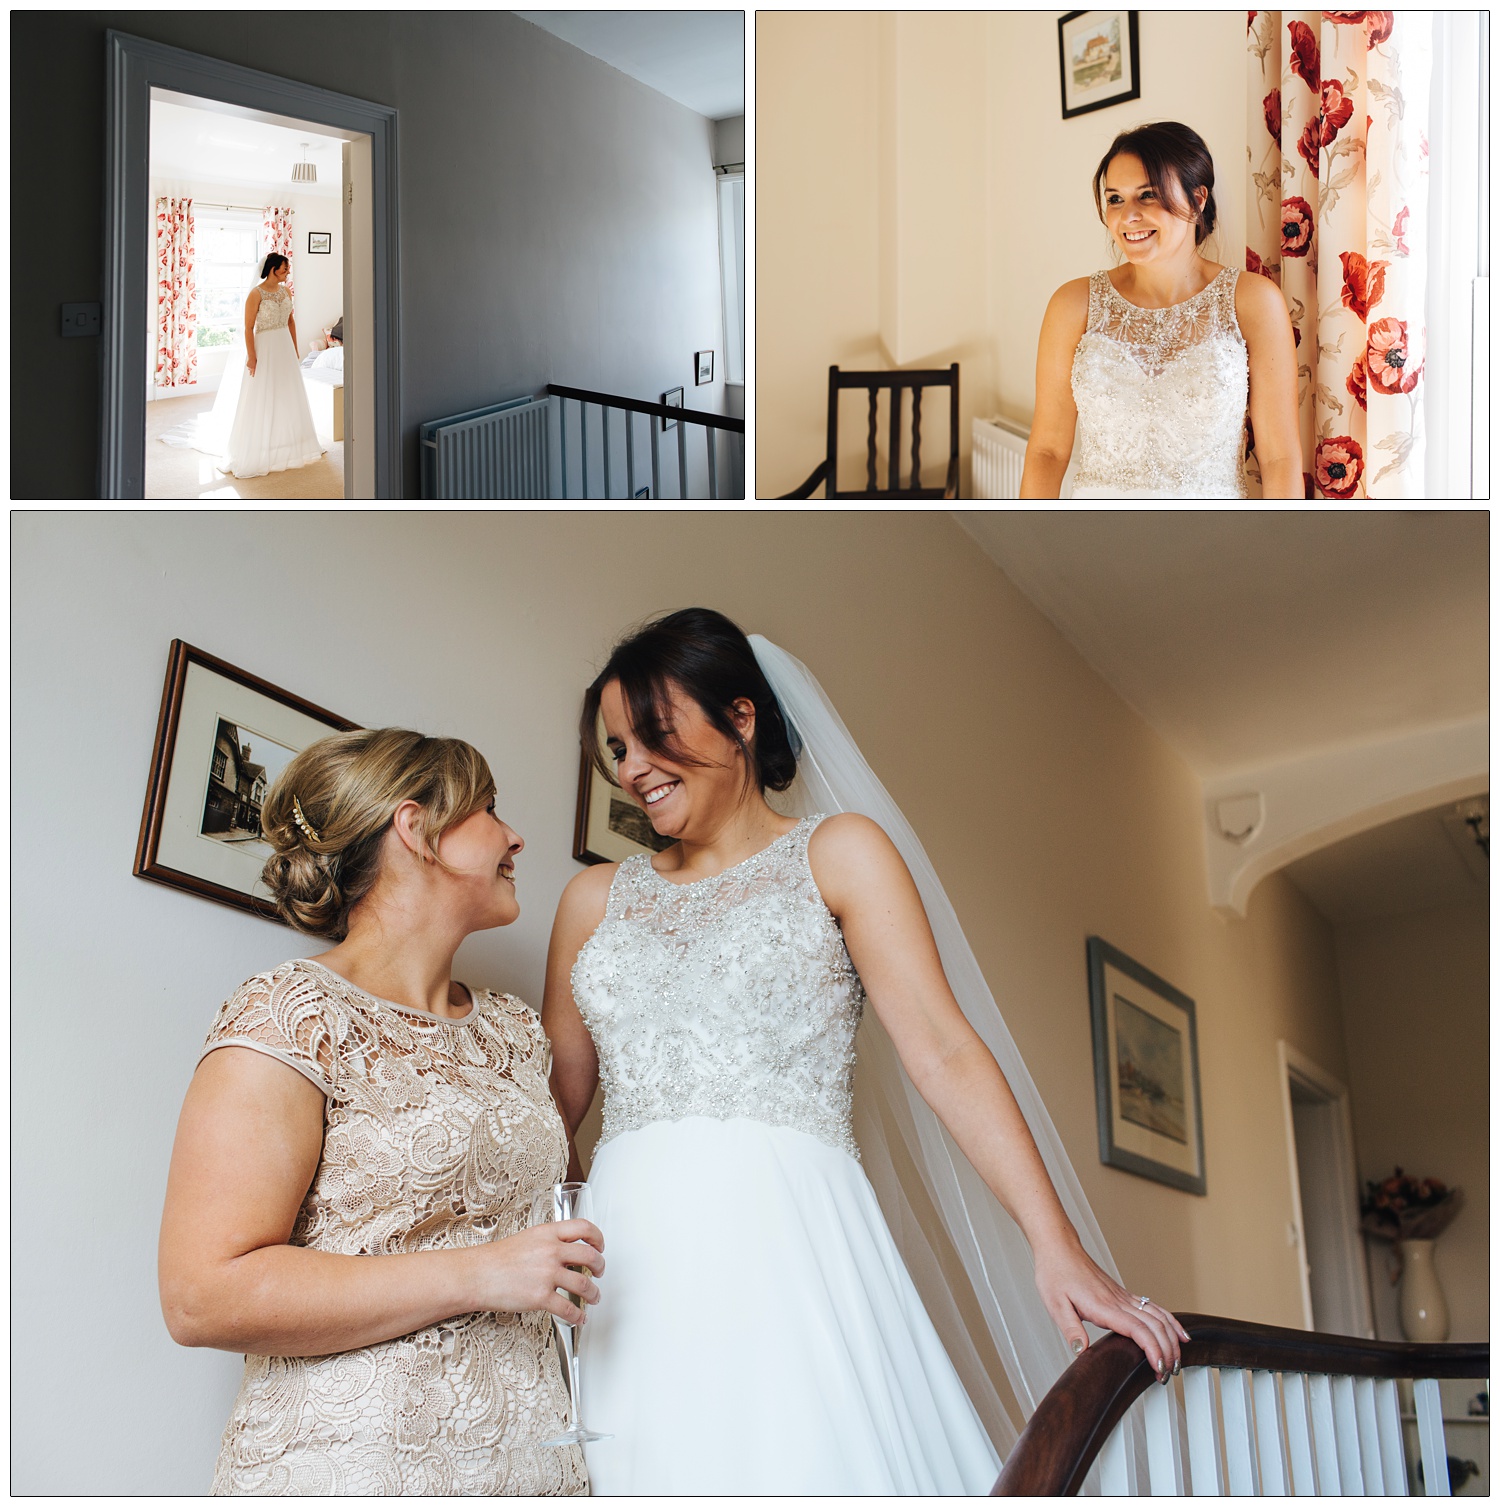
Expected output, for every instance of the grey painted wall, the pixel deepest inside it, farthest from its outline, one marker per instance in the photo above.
(729, 141)
(558, 220)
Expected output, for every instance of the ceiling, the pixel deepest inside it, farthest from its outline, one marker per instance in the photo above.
(222, 148)
(695, 57)
(1250, 638)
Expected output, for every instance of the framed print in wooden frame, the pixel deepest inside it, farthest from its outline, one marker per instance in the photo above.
(222, 737)
(1099, 56)
(609, 826)
(320, 242)
(1145, 1072)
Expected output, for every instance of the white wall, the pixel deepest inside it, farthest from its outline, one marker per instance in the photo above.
(317, 280)
(919, 198)
(1049, 807)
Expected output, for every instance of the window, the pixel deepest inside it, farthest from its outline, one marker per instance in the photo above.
(228, 255)
(732, 273)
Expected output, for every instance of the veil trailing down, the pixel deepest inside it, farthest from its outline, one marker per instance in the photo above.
(896, 1128)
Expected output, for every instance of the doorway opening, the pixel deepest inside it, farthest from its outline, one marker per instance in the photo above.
(1325, 1198)
(357, 140)
(223, 195)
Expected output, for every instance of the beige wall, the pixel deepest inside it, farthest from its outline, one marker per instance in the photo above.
(1416, 1019)
(1049, 808)
(919, 198)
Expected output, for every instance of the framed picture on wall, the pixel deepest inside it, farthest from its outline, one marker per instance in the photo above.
(1145, 1072)
(671, 399)
(704, 365)
(222, 737)
(1098, 53)
(609, 826)
(320, 242)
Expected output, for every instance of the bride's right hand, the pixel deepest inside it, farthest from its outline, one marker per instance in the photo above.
(524, 1271)
(250, 365)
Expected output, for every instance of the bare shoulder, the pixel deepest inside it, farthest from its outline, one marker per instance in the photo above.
(586, 895)
(1070, 304)
(1258, 304)
(849, 835)
(851, 856)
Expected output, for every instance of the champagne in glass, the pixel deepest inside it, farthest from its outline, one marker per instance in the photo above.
(568, 1201)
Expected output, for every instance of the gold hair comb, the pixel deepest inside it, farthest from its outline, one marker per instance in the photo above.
(302, 821)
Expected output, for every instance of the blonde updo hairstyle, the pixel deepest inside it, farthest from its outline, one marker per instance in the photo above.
(346, 788)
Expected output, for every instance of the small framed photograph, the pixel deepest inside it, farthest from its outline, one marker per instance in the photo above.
(672, 399)
(705, 367)
(609, 826)
(1098, 52)
(320, 242)
(222, 737)
(1145, 1072)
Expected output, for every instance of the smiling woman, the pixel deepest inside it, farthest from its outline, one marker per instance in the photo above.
(1158, 369)
(364, 1104)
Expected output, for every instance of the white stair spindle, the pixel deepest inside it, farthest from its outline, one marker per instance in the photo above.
(1239, 1432)
(1429, 1409)
(1369, 1436)
(1114, 1470)
(1299, 1434)
(1203, 1433)
(1388, 1423)
(1163, 1447)
(1325, 1435)
(1346, 1435)
(1270, 1445)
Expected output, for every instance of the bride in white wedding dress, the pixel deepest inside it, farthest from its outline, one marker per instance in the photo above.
(261, 420)
(759, 1332)
(1158, 368)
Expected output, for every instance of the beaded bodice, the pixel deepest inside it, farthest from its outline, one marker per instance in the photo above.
(731, 996)
(274, 311)
(1162, 394)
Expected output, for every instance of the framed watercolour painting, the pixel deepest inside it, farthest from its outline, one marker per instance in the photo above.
(609, 825)
(222, 737)
(320, 242)
(1098, 52)
(1145, 1072)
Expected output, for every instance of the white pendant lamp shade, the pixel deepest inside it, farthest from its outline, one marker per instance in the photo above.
(304, 171)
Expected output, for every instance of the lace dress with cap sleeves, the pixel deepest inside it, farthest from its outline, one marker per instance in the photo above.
(1161, 395)
(759, 1333)
(437, 1134)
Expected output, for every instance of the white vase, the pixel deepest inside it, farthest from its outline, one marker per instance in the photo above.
(1424, 1310)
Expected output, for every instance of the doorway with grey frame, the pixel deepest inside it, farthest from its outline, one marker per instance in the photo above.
(140, 69)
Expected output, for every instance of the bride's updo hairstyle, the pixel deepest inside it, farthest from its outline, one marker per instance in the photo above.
(330, 807)
(708, 656)
(271, 263)
(1177, 162)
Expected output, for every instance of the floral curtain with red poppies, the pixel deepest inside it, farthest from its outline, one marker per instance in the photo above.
(276, 235)
(176, 295)
(1337, 217)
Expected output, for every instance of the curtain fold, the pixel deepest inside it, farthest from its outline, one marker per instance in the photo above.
(276, 234)
(1338, 106)
(176, 295)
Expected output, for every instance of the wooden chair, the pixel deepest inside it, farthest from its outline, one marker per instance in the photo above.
(897, 383)
(1299, 1414)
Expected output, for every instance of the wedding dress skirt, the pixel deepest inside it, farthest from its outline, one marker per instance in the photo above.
(260, 423)
(758, 1332)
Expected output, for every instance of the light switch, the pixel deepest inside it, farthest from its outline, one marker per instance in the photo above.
(82, 319)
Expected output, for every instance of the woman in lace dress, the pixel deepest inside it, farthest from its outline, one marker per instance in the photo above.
(1147, 375)
(354, 1167)
(716, 989)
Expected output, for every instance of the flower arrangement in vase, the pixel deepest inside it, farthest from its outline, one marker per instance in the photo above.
(1411, 1213)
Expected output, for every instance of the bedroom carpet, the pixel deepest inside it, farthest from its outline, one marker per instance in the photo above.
(188, 475)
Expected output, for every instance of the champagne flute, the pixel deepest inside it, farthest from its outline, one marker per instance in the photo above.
(568, 1201)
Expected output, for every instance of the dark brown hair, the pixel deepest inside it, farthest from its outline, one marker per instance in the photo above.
(1177, 162)
(274, 260)
(710, 658)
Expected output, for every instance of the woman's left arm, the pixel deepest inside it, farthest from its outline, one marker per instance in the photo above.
(1267, 328)
(867, 886)
(291, 324)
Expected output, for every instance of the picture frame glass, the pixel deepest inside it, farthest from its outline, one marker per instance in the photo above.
(1098, 62)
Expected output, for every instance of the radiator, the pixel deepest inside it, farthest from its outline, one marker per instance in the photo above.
(496, 452)
(999, 453)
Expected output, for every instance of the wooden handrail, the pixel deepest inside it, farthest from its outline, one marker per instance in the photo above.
(639, 405)
(1072, 1422)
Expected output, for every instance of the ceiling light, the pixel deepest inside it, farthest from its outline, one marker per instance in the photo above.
(304, 171)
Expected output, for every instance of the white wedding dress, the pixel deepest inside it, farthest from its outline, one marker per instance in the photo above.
(1161, 396)
(262, 422)
(759, 1333)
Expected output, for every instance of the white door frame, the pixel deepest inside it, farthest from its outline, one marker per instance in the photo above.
(1353, 1272)
(135, 68)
